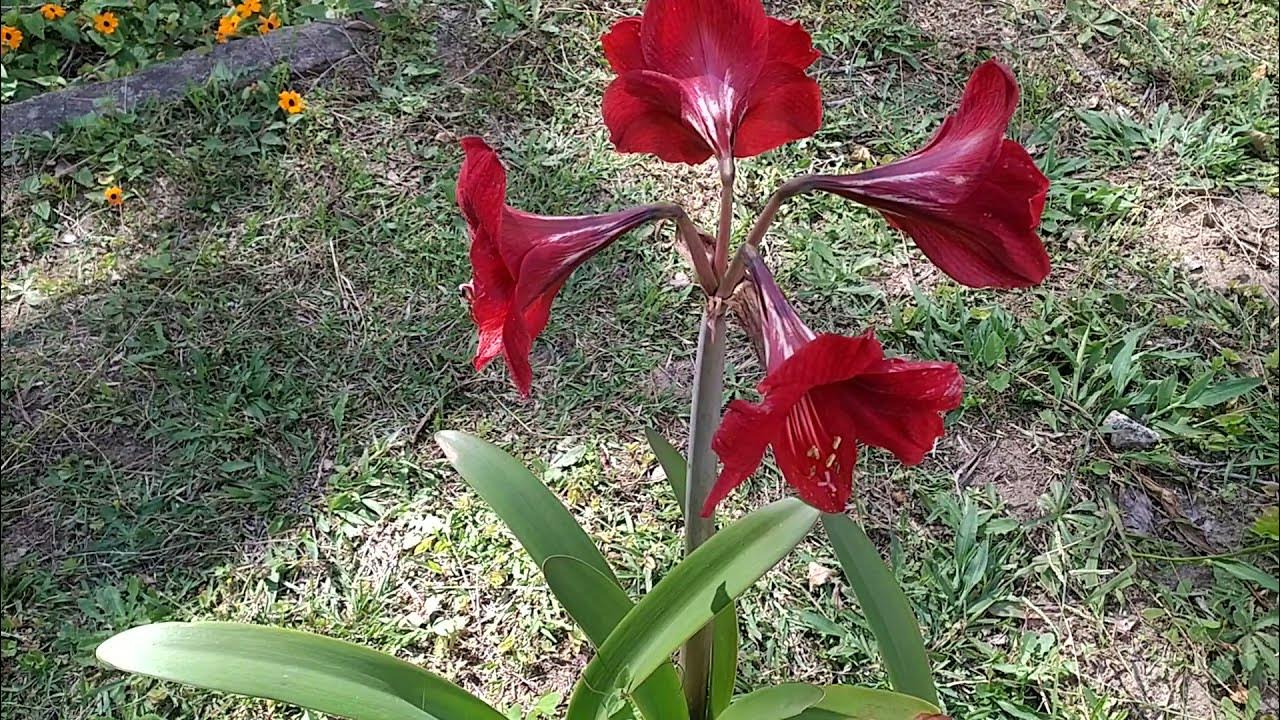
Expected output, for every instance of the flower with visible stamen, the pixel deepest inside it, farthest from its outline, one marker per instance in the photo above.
(823, 396)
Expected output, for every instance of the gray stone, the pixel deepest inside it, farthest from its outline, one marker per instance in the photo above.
(1125, 433)
(306, 49)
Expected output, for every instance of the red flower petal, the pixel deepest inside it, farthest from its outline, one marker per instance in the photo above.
(790, 44)
(827, 359)
(481, 189)
(744, 434)
(991, 241)
(643, 113)
(701, 38)
(546, 250)
(784, 105)
(899, 405)
(517, 336)
(622, 46)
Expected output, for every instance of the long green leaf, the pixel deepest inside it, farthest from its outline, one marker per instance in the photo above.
(546, 529)
(845, 702)
(885, 607)
(672, 463)
(535, 516)
(724, 643)
(311, 671)
(779, 702)
(597, 604)
(1123, 364)
(724, 659)
(687, 599)
(1223, 391)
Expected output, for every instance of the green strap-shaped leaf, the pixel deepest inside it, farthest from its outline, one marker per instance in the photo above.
(546, 529)
(532, 512)
(724, 643)
(687, 599)
(597, 604)
(672, 462)
(724, 659)
(885, 607)
(310, 671)
(846, 702)
(779, 702)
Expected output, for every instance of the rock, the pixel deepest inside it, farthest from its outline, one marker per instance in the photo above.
(1125, 433)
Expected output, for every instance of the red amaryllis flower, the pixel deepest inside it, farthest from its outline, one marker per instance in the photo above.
(971, 199)
(698, 78)
(823, 395)
(519, 261)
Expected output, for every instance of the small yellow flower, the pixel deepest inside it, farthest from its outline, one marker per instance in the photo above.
(105, 23)
(248, 7)
(269, 23)
(10, 38)
(291, 102)
(53, 11)
(114, 196)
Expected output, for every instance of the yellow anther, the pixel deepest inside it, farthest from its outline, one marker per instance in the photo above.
(831, 459)
(835, 442)
(813, 453)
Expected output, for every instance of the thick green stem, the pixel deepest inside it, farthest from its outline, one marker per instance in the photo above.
(730, 278)
(708, 392)
(725, 227)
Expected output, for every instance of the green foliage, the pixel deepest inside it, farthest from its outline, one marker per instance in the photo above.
(687, 599)
(297, 668)
(886, 608)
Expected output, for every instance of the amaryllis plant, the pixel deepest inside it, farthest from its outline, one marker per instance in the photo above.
(696, 80)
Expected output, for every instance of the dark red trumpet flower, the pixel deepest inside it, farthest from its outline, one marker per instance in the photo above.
(698, 78)
(823, 395)
(971, 199)
(519, 261)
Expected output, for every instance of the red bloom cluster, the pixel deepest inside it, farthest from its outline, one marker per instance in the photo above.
(698, 79)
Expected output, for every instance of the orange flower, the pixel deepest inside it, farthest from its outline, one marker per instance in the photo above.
(291, 102)
(52, 11)
(248, 7)
(10, 38)
(228, 26)
(105, 23)
(268, 23)
(114, 196)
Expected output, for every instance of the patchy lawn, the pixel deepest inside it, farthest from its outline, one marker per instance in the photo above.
(218, 401)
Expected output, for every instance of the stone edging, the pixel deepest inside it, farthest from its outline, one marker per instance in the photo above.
(306, 49)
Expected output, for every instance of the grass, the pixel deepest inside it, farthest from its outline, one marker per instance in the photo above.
(218, 402)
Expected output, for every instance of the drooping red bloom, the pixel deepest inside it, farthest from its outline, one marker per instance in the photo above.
(698, 78)
(823, 396)
(519, 261)
(971, 199)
